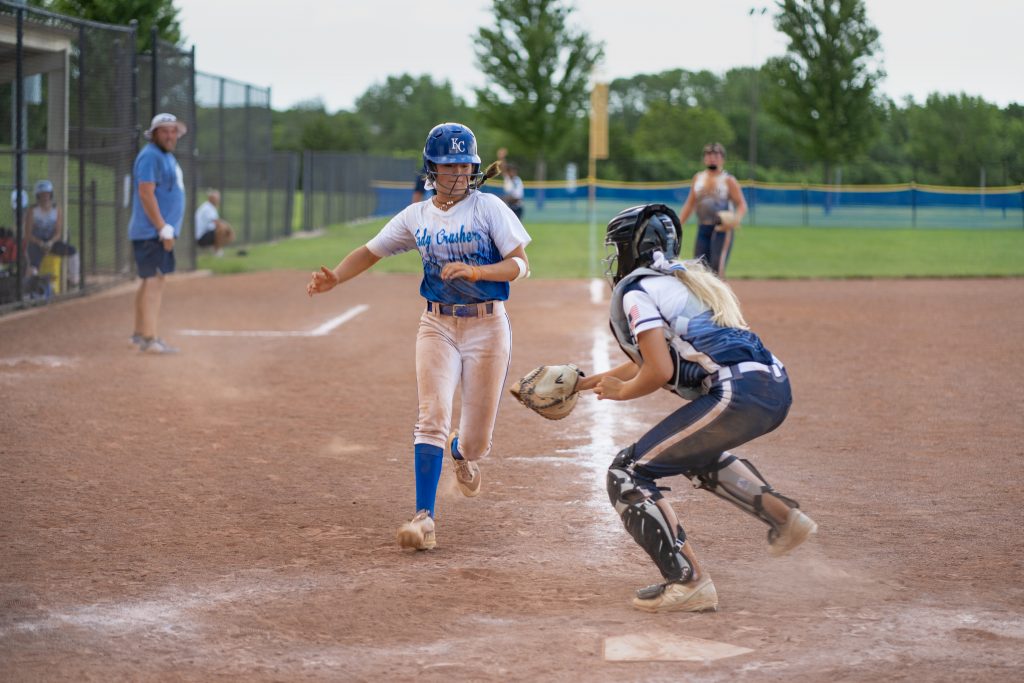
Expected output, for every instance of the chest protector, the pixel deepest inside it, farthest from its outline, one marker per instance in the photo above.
(689, 366)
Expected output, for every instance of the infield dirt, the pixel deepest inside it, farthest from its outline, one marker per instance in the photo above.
(229, 512)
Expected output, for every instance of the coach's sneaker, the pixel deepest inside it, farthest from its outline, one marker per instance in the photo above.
(796, 530)
(418, 533)
(467, 474)
(695, 596)
(156, 345)
(137, 339)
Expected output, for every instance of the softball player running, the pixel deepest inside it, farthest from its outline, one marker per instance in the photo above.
(682, 329)
(472, 247)
(711, 192)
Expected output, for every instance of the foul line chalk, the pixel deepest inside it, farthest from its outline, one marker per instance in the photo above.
(321, 331)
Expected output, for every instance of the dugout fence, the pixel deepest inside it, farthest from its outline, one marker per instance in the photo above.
(68, 114)
(75, 97)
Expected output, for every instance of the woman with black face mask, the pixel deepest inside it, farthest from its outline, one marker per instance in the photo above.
(714, 192)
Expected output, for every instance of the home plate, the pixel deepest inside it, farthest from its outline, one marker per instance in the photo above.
(660, 647)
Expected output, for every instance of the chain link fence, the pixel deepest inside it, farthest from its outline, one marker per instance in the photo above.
(342, 187)
(75, 97)
(236, 158)
(67, 125)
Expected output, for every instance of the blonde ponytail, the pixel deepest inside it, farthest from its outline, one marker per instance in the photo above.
(713, 293)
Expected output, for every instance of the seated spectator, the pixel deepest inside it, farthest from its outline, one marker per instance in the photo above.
(44, 225)
(211, 230)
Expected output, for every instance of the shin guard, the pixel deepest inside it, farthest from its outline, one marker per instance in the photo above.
(645, 521)
(731, 480)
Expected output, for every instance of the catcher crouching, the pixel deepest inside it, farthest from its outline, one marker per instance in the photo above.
(682, 330)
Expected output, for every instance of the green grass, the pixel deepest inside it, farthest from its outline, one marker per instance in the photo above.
(561, 251)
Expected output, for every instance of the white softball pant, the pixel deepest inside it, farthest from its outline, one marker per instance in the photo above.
(474, 351)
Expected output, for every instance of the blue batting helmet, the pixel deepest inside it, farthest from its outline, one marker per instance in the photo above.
(450, 143)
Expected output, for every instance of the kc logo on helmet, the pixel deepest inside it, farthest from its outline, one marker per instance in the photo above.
(458, 146)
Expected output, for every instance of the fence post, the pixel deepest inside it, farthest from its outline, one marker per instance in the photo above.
(245, 150)
(328, 211)
(221, 142)
(123, 190)
(289, 194)
(154, 96)
(19, 126)
(268, 170)
(307, 189)
(194, 144)
(805, 195)
(93, 226)
(752, 204)
(913, 204)
(82, 58)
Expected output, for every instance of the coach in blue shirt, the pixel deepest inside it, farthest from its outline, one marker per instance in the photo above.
(158, 207)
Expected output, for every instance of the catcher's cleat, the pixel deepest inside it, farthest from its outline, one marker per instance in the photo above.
(797, 529)
(418, 533)
(467, 474)
(695, 596)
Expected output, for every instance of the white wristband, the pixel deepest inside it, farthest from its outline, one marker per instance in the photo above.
(167, 232)
(523, 270)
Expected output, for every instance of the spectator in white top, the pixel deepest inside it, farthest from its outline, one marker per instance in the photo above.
(211, 230)
(513, 190)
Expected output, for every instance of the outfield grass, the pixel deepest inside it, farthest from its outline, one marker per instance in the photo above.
(561, 251)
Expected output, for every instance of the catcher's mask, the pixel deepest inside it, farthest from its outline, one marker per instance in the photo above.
(451, 143)
(636, 233)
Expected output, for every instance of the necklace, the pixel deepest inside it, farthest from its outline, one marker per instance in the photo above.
(447, 204)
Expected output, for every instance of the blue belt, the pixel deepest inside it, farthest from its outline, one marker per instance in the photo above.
(461, 310)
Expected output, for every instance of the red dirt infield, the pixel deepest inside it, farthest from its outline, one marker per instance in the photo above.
(228, 513)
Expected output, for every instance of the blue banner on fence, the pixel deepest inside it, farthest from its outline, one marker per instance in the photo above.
(883, 206)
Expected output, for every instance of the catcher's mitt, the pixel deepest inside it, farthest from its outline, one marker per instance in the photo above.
(549, 390)
(727, 220)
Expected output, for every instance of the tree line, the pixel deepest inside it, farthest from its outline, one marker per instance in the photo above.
(814, 114)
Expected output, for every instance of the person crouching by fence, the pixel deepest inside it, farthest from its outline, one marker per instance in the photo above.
(211, 229)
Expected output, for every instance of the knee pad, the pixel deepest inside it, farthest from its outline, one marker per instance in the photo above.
(647, 524)
(730, 481)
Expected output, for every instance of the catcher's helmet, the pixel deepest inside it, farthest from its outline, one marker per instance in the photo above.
(450, 143)
(638, 232)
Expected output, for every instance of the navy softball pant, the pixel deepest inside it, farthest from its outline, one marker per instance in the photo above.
(691, 440)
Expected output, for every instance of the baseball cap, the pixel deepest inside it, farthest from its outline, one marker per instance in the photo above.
(165, 119)
(44, 186)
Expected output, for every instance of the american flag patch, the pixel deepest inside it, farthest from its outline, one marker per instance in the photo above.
(634, 316)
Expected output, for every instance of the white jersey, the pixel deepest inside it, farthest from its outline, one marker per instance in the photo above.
(648, 300)
(479, 230)
(206, 217)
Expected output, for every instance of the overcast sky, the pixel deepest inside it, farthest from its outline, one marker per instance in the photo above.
(334, 50)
